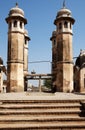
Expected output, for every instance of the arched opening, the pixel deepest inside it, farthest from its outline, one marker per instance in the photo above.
(15, 23)
(54, 42)
(60, 25)
(65, 24)
(20, 24)
(70, 26)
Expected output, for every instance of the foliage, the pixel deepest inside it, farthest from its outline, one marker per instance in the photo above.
(47, 83)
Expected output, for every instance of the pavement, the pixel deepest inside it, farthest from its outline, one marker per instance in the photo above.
(42, 96)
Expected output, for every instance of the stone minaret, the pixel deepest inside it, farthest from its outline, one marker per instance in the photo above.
(62, 58)
(16, 43)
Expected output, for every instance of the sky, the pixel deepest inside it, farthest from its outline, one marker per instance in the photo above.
(40, 15)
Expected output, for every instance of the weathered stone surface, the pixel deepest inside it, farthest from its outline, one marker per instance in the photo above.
(17, 62)
(42, 111)
(79, 73)
(62, 55)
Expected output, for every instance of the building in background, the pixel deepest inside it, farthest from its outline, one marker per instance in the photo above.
(79, 73)
(2, 72)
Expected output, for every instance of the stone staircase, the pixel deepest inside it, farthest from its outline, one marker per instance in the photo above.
(42, 115)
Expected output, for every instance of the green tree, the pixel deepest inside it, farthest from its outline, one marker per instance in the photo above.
(47, 83)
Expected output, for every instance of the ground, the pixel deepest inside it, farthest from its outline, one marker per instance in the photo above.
(41, 96)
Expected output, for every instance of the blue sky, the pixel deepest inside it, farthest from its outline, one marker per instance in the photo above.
(40, 15)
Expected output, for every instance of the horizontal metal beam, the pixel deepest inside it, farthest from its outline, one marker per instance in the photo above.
(36, 78)
(38, 75)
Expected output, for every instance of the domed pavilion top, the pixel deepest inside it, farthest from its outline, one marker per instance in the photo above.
(81, 59)
(63, 14)
(16, 11)
(64, 11)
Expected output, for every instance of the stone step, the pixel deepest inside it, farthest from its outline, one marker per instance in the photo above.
(51, 125)
(40, 112)
(40, 116)
(40, 106)
(39, 101)
(37, 119)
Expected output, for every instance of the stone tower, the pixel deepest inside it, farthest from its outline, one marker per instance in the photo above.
(62, 58)
(17, 42)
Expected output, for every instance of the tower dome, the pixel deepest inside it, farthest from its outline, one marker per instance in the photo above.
(81, 59)
(16, 11)
(64, 12)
